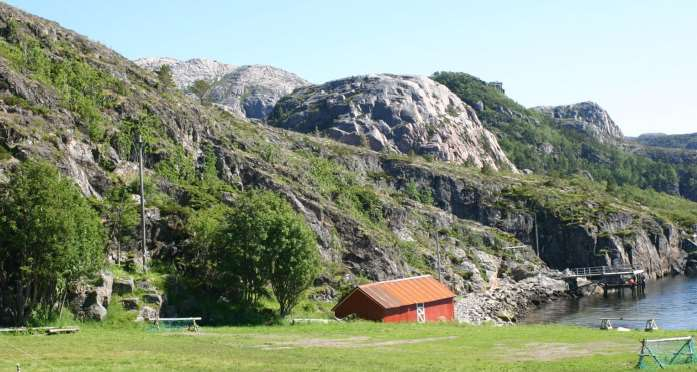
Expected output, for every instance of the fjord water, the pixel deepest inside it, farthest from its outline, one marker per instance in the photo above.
(672, 301)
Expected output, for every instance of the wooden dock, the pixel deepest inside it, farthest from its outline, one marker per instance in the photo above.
(612, 278)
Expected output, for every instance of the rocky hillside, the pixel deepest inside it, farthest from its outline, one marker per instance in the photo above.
(249, 91)
(393, 113)
(539, 143)
(678, 141)
(252, 91)
(186, 72)
(588, 118)
(78, 105)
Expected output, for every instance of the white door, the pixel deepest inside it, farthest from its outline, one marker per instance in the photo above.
(420, 313)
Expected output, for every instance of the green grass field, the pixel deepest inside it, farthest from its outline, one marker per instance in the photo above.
(358, 346)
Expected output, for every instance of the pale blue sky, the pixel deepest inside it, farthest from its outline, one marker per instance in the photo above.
(638, 59)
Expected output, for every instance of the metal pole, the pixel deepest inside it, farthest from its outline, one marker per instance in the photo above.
(537, 238)
(142, 203)
(438, 254)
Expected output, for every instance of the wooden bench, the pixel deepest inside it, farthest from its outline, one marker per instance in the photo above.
(650, 324)
(58, 331)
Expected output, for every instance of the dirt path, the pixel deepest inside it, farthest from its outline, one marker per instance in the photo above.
(350, 342)
(556, 350)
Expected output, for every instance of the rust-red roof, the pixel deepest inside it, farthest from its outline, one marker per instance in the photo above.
(408, 291)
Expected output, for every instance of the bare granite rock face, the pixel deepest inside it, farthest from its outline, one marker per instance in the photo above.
(252, 91)
(588, 118)
(186, 72)
(405, 114)
(249, 91)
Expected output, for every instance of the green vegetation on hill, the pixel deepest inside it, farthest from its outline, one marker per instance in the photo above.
(533, 141)
(678, 141)
(82, 88)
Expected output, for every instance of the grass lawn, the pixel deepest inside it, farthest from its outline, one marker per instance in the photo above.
(358, 346)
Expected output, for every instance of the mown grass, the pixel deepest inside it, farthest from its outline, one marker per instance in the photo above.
(358, 346)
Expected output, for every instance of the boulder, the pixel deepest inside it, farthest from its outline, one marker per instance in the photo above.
(130, 303)
(523, 271)
(86, 300)
(147, 313)
(94, 312)
(152, 298)
(145, 285)
(123, 286)
(505, 315)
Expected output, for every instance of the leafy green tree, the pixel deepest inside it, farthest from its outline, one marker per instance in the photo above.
(292, 257)
(199, 88)
(121, 214)
(49, 237)
(164, 74)
(261, 243)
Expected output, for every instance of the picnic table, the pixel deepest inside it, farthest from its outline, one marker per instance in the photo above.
(191, 324)
(650, 324)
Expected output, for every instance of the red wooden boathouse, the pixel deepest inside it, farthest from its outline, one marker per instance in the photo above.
(417, 299)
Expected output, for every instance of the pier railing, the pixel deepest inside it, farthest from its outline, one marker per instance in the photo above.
(601, 270)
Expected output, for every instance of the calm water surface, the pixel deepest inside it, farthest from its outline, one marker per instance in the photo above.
(672, 301)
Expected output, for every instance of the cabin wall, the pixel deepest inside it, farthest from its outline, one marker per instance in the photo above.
(443, 310)
(361, 305)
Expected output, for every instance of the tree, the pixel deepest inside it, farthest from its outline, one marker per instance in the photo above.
(262, 242)
(164, 74)
(122, 218)
(49, 237)
(199, 88)
(293, 259)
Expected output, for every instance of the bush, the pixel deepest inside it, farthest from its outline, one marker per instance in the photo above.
(49, 237)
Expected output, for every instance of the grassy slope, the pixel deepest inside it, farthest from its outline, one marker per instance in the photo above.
(336, 347)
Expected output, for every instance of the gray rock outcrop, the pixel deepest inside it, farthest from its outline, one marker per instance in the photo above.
(186, 72)
(88, 301)
(252, 91)
(588, 118)
(406, 114)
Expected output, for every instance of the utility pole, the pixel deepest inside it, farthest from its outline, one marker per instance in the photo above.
(438, 254)
(142, 203)
(537, 238)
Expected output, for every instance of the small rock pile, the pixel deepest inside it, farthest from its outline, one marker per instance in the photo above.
(91, 301)
(510, 300)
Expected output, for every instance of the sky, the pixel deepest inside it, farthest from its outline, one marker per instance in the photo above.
(636, 58)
